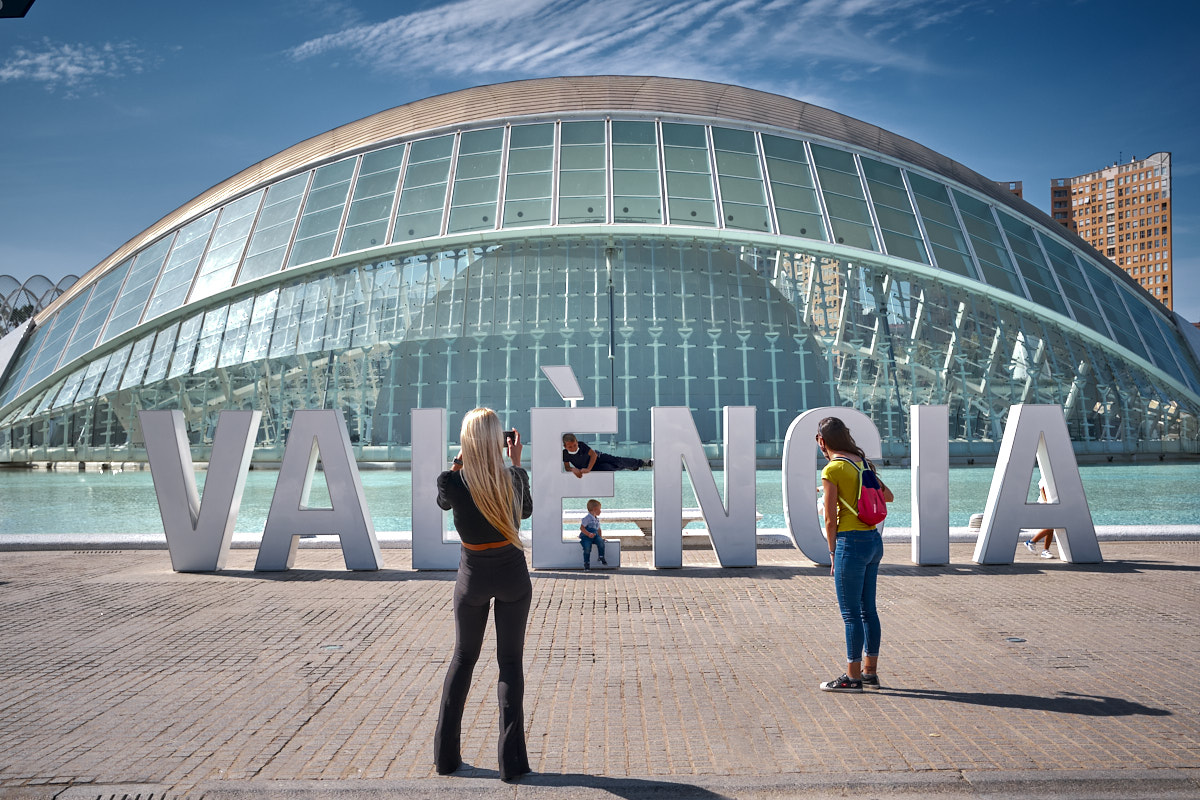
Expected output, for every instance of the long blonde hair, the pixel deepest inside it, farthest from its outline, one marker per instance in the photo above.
(483, 471)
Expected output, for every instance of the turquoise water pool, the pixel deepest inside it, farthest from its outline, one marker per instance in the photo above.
(124, 502)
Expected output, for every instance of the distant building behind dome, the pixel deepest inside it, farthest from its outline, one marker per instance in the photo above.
(676, 242)
(20, 301)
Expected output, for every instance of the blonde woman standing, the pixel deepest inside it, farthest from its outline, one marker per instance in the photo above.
(488, 500)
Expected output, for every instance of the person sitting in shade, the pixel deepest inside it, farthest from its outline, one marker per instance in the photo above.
(589, 534)
(580, 459)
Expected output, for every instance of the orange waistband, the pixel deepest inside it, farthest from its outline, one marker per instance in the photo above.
(486, 545)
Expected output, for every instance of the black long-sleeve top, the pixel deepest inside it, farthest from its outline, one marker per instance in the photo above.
(469, 521)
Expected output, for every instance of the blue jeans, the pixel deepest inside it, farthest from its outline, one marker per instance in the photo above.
(587, 548)
(855, 572)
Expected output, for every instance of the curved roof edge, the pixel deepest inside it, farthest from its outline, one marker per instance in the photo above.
(535, 96)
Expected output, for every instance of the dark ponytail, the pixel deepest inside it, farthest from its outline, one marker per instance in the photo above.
(837, 437)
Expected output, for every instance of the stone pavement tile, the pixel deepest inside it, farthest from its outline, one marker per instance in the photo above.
(115, 670)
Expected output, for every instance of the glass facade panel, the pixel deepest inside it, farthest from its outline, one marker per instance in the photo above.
(160, 359)
(637, 189)
(1074, 287)
(185, 346)
(423, 196)
(115, 369)
(792, 188)
(476, 181)
(372, 201)
(901, 232)
(739, 177)
(843, 193)
(56, 339)
(322, 215)
(237, 328)
(945, 236)
(177, 274)
(1123, 327)
(690, 199)
(220, 263)
(258, 338)
(994, 263)
(127, 311)
(582, 174)
(138, 360)
(96, 314)
(1032, 264)
(273, 231)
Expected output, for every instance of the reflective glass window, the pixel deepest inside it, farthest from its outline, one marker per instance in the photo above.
(690, 199)
(792, 188)
(49, 397)
(91, 379)
(138, 360)
(739, 176)
(258, 339)
(371, 203)
(945, 236)
(185, 346)
(237, 327)
(180, 268)
(529, 184)
(115, 369)
(160, 359)
(67, 391)
(1170, 338)
(424, 194)
(209, 346)
(1083, 304)
(1038, 279)
(128, 308)
(322, 215)
(287, 321)
(844, 200)
(997, 267)
(476, 181)
(581, 173)
(273, 230)
(1107, 292)
(637, 194)
(220, 263)
(20, 367)
(56, 340)
(312, 319)
(901, 232)
(96, 313)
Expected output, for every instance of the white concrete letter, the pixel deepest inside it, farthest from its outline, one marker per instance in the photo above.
(1037, 432)
(930, 481)
(318, 433)
(550, 483)
(801, 476)
(430, 550)
(198, 534)
(731, 525)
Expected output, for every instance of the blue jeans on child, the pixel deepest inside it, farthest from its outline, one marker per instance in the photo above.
(855, 572)
(587, 548)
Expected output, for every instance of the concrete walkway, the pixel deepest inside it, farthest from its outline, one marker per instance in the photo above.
(120, 678)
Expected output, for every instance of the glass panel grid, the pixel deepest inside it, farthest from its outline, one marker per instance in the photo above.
(372, 201)
(220, 263)
(690, 196)
(423, 196)
(322, 215)
(273, 229)
(582, 176)
(180, 268)
(128, 309)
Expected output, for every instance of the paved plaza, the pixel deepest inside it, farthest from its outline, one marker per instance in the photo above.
(120, 678)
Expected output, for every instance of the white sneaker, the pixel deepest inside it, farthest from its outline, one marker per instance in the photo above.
(1046, 554)
(1029, 547)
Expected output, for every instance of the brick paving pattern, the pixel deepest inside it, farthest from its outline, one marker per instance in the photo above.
(115, 670)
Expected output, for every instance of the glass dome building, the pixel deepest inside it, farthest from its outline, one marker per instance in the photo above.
(676, 242)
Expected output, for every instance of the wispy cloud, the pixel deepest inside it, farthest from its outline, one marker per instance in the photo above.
(71, 67)
(722, 40)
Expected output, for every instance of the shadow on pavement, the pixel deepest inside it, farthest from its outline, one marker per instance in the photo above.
(626, 788)
(1066, 703)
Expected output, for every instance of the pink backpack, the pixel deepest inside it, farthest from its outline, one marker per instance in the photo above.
(870, 507)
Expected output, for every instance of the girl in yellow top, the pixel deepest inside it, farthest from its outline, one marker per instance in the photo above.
(857, 549)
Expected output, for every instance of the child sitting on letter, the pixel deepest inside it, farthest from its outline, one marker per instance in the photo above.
(589, 534)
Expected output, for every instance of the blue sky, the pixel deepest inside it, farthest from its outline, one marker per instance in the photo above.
(112, 115)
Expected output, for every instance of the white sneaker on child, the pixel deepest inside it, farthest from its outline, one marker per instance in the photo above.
(1029, 547)
(1045, 554)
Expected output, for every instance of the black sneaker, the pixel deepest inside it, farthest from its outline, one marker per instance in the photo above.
(842, 684)
(603, 561)
(587, 565)
(647, 462)
(870, 681)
